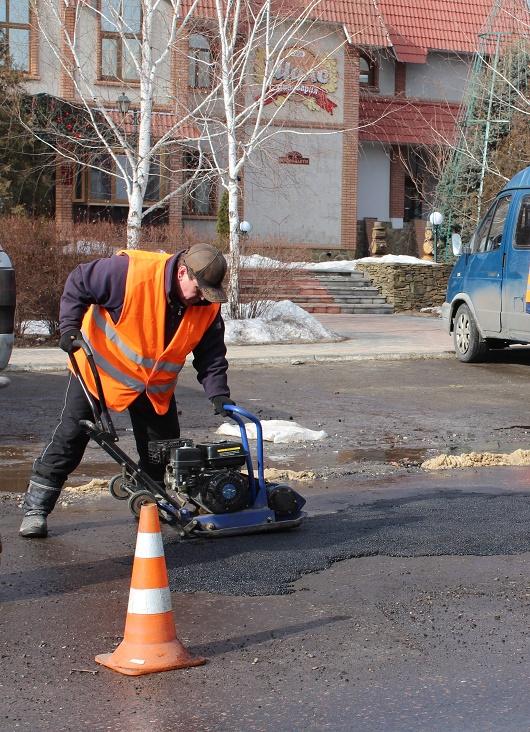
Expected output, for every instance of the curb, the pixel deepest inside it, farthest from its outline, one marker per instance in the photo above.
(291, 360)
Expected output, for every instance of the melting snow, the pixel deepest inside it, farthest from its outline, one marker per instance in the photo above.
(275, 430)
(282, 322)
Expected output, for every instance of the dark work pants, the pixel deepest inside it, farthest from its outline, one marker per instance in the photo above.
(65, 451)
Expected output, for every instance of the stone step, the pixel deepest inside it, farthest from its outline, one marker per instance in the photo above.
(339, 300)
(302, 274)
(358, 309)
(317, 291)
(342, 289)
(336, 276)
(285, 293)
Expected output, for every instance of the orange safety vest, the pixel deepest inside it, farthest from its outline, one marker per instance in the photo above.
(130, 354)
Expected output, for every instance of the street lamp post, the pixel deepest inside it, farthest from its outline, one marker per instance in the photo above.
(124, 104)
(436, 219)
(245, 227)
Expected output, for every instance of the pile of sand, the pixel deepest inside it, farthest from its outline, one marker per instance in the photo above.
(477, 460)
(96, 485)
(99, 485)
(276, 475)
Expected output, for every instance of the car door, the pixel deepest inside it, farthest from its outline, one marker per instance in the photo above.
(485, 266)
(516, 288)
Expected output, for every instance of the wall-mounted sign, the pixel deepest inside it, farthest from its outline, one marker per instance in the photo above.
(300, 75)
(294, 158)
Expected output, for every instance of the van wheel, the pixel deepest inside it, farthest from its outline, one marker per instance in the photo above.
(468, 343)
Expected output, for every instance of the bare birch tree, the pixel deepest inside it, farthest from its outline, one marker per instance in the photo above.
(262, 55)
(139, 38)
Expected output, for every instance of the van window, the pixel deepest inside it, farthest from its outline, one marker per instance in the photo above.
(480, 237)
(497, 225)
(522, 231)
(488, 236)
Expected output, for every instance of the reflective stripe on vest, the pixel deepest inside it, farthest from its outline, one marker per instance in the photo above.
(131, 354)
(147, 363)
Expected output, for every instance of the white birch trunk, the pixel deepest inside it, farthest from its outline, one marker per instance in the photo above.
(234, 249)
(228, 27)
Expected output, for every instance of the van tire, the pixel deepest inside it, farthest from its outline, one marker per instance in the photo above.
(469, 345)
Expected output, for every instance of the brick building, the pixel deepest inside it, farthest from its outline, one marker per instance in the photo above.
(395, 73)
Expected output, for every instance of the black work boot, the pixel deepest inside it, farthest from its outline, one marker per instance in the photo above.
(34, 526)
(39, 501)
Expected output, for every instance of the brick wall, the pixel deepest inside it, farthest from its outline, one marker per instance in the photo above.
(397, 185)
(67, 83)
(400, 78)
(350, 145)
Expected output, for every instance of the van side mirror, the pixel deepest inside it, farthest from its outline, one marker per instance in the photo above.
(456, 243)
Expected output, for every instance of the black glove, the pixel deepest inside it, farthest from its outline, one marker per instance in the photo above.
(67, 339)
(218, 402)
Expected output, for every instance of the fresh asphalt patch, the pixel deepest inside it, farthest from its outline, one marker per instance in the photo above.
(268, 564)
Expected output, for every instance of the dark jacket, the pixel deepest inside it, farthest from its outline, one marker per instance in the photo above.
(102, 282)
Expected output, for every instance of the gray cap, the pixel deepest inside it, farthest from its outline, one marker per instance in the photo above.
(207, 264)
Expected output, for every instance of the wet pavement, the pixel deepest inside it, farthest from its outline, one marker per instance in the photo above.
(402, 603)
(401, 643)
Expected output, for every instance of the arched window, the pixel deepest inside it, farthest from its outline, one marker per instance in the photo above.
(200, 62)
(367, 71)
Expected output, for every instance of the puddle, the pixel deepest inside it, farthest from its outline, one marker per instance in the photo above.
(382, 455)
(14, 474)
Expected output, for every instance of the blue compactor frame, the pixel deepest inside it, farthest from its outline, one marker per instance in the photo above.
(205, 491)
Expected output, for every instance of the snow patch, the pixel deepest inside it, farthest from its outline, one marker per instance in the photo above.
(35, 327)
(256, 261)
(395, 259)
(281, 322)
(275, 430)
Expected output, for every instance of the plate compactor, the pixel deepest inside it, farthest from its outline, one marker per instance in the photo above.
(204, 492)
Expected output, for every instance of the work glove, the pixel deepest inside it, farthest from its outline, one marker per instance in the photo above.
(67, 339)
(218, 402)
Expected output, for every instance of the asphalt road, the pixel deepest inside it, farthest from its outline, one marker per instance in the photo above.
(401, 604)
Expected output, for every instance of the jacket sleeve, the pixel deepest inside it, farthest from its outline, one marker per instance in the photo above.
(100, 282)
(209, 360)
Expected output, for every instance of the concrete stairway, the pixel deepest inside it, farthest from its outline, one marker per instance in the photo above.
(322, 291)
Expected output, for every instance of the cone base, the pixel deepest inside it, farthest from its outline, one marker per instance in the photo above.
(134, 659)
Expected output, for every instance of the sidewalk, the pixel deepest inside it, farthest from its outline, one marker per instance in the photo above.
(368, 337)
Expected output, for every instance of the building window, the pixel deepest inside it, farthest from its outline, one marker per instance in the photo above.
(121, 35)
(200, 62)
(367, 71)
(200, 198)
(15, 32)
(101, 183)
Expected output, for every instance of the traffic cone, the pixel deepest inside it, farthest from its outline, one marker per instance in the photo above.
(150, 642)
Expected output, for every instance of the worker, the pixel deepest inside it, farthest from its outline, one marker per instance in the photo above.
(141, 313)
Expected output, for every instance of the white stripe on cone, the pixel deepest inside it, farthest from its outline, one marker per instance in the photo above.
(149, 546)
(149, 602)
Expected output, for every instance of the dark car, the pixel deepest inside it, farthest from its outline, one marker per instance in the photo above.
(7, 311)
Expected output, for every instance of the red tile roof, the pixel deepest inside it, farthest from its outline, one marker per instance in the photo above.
(412, 27)
(402, 121)
(448, 25)
(361, 18)
(162, 123)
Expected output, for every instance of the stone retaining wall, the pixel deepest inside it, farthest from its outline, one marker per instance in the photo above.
(409, 286)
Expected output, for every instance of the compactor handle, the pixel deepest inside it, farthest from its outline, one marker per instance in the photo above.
(236, 413)
(101, 414)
